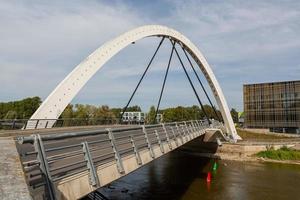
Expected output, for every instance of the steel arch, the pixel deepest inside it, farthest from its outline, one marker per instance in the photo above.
(62, 95)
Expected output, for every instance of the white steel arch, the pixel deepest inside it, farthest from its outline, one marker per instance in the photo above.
(62, 95)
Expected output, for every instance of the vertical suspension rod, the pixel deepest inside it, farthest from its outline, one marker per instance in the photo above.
(142, 77)
(195, 72)
(164, 82)
(191, 83)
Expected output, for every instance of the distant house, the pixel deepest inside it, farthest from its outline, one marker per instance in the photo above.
(133, 117)
(159, 118)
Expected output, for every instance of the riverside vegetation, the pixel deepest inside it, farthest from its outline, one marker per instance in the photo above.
(283, 153)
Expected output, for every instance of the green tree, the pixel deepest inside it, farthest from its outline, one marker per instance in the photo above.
(105, 115)
(134, 108)
(19, 109)
(116, 112)
(67, 115)
(11, 115)
(234, 115)
(150, 118)
(81, 114)
(68, 112)
(209, 112)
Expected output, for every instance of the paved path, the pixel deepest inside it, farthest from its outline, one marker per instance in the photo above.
(12, 182)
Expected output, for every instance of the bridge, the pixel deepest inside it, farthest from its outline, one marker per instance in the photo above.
(69, 165)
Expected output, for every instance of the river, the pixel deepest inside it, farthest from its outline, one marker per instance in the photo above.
(182, 174)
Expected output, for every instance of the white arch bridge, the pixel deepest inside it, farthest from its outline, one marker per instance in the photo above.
(70, 165)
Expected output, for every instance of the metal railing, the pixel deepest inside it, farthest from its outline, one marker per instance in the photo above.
(11, 124)
(54, 123)
(49, 158)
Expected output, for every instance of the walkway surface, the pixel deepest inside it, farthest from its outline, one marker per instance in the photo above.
(12, 180)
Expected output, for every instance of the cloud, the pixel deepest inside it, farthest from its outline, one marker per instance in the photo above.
(244, 42)
(48, 39)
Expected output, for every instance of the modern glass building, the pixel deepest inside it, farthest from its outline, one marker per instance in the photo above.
(273, 105)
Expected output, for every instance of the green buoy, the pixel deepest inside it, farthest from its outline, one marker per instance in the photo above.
(215, 167)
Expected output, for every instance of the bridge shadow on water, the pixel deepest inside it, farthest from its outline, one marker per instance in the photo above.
(168, 177)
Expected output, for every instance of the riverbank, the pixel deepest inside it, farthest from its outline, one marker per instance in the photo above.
(248, 153)
(253, 143)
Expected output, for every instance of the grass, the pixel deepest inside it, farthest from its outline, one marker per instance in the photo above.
(283, 153)
(247, 135)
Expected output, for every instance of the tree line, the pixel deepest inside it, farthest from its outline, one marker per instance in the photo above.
(23, 109)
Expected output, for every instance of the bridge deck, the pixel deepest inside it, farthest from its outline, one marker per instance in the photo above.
(69, 166)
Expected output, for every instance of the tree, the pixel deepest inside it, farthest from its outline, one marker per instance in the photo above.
(209, 112)
(116, 112)
(19, 109)
(68, 112)
(134, 108)
(67, 115)
(81, 113)
(105, 115)
(234, 115)
(151, 118)
(11, 115)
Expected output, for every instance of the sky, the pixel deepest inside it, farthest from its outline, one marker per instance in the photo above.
(243, 41)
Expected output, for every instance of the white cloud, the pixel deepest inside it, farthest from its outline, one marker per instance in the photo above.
(41, 42)
(48, 39)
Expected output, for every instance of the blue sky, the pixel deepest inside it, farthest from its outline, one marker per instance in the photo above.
(243, 41)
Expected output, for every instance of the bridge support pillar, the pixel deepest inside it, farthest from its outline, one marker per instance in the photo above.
(214, 135)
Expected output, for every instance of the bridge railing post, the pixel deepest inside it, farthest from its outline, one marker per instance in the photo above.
(179, 132)
(94, 180)
(46, 124)
(44, 167)
(161, 145)
(116, 152)
(167, 136)
(187, 129)
(199, 127)
(184, 133)
(174, 136)
(136, 151)
(190, 128)
(148, 142)
(194, 128)
(37, 123)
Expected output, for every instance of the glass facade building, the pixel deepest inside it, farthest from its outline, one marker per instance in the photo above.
(273, 105)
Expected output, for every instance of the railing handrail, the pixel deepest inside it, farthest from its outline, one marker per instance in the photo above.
(60, 136)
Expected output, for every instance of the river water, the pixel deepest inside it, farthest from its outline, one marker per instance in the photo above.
(182, 174)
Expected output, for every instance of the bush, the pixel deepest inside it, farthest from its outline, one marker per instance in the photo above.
(283, 153)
